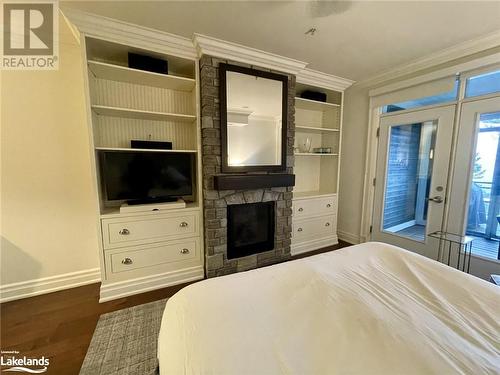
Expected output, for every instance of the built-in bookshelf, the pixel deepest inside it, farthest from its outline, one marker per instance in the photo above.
(317, 173)
(149, 245)
(131, 104)
(315, 198)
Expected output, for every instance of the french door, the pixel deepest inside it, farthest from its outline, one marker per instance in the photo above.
(411, 178)
(475, 197)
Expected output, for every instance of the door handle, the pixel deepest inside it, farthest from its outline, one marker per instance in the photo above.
(436, 199)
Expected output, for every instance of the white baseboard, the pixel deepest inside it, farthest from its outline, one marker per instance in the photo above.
(30, 288)
(114, 290)
(306, 246)
(349, 237)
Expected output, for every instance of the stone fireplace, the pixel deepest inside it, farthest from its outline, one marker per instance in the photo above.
(267, 248)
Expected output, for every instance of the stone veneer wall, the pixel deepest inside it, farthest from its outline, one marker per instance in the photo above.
(215, 202)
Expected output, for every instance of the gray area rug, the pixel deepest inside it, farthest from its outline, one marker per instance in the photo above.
(125, 342)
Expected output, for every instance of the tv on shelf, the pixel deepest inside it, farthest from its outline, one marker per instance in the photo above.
(141, 177)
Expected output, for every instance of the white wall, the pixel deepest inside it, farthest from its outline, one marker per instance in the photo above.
(352, 168)
(49, 228)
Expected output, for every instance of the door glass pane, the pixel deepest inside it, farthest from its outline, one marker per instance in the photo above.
(408, 179)
(484, 198)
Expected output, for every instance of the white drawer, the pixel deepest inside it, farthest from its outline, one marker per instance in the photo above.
(154, 255)
(317, 227)
(314, 206)
(120, 232)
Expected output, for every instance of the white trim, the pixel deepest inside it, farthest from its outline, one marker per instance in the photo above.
(35, 287)
(129, 34)
(207, 45)
(306, 246)
(349, 237)
(324, 80)
(483, 62)
(457, 51)
(402, 226)
(110, 291)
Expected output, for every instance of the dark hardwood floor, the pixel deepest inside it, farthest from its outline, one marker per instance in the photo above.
(60, 325)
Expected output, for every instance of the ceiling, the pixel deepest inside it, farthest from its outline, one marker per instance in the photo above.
(354, 40)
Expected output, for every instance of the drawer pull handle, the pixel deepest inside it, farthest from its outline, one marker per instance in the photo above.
(185, 251)
(328, 205)
(299, 230)
(124, 232)
(127, 261)
(184, 224)
(327, 224)
(301, 209)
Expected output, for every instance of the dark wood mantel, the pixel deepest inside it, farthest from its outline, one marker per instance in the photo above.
(253, 181)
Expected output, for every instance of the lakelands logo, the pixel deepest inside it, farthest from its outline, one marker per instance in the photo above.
(30, 36)
(12, 362)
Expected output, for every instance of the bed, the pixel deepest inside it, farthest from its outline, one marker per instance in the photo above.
(366, 309)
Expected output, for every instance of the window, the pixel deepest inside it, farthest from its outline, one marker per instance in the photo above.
(483, 84)
(421, 102)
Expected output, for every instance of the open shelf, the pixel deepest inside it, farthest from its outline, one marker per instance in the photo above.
(313, 154)
(312, 194)
(140, 77)
(142, 150)
(314, 129)
(139, 114)
(313, 105)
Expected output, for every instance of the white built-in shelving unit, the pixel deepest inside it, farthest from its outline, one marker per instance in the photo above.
(154, 247)
(315, 196)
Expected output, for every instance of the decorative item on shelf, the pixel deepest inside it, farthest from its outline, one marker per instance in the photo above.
(314, 95)
(322, 150)
(305, 145)
(153, 145)
(147, 63)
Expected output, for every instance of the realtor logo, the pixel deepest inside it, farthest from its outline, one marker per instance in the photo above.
(11, 362)
(30, 36)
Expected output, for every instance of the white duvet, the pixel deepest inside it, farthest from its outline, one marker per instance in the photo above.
(366, 309)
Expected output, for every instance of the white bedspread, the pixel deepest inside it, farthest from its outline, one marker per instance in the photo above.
(366, 309)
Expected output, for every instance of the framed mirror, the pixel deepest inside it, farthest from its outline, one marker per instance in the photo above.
(253, 114)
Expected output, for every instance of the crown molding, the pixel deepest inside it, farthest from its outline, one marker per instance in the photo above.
(130, 34)
(457, 51)
(206, 45)
(320, 79)
(143, 37)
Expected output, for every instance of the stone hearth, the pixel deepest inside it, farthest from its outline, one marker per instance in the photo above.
(216, 201)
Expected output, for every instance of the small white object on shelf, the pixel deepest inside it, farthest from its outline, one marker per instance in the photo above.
(126, 208)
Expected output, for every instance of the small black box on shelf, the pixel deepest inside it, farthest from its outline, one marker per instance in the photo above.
(148, 63)
(154, 145)
(314, 95)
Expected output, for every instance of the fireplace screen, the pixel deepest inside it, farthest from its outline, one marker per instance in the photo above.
(250, 229)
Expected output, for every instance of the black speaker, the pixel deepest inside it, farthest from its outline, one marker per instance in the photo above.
(154, 145)
(314, 95)
(150, 64)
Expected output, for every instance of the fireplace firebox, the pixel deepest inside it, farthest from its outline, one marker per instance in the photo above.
(250, 229)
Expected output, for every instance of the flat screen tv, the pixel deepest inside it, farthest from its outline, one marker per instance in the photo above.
(139, 177)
